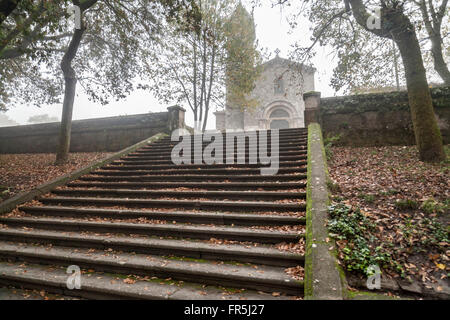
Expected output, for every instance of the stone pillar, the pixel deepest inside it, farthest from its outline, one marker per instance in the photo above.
(220, 120)
(176, 118)
(312, 107)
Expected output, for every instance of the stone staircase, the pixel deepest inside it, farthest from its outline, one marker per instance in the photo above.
(145, 228)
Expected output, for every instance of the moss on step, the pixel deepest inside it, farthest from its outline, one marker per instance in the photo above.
(179, 258)
(366, 295)
(314, 130)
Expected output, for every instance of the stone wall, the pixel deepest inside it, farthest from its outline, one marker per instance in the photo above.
(91, 135)
(379, 119)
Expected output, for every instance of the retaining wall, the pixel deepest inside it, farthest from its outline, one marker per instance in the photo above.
(91, 135)
(379, 118)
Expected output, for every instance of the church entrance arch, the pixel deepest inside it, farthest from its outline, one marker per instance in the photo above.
(279, 115)
(279, 119)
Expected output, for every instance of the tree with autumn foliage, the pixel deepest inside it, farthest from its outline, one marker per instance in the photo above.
(243, 61)
(194, 66)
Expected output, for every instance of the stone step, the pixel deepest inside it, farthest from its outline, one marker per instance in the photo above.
(10, 293)
(145, 194)
(168, 160)
(199, 177)
(214, 171)
(262, 254)
(196, 204)
(296, 151)
(235, 152)
(238, 219)
(104, 286)
(281, 135)
(281, 142)
(126, 165)
(200, 185)
(200, 236)
(156, 230)
(262, 278)
(165, 148)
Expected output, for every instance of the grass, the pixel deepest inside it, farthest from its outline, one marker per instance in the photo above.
(4, 192)
(431, 206)
(328, 143)
(333, 187)
(369, 198)
(389, 192)
(406, 204)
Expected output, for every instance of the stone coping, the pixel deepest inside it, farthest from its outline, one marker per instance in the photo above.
(324, 279)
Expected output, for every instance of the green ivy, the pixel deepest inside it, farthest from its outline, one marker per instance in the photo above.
(350, 224)
(328, 143)
(436, 232)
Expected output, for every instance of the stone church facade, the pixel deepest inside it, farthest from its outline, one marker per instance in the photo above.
(279, 93)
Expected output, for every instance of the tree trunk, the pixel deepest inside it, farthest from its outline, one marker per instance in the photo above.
(427, 133)
(439, 63)
(69, 96)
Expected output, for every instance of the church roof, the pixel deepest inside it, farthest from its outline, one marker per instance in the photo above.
(288, 63)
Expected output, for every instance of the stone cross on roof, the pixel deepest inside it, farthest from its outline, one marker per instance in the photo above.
(277, 52)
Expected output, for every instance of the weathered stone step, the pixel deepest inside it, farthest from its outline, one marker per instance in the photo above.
(282, 142)
(281, 135)
(158, 230)
(169, 147)
(205, 205)
(168, 160)
(126, 165)
(214, 171)
(294, 133)
(289, 140)
(8, 293)
(264, 278)
(199, 177)
(200, 185)
(238, 219)
(168, 153)
(268, 131)
(104, 286)
(141, 194)
(235, 152)
(192, 249)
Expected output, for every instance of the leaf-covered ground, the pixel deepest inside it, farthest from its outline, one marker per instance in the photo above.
(406, 203)
(23, 172)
